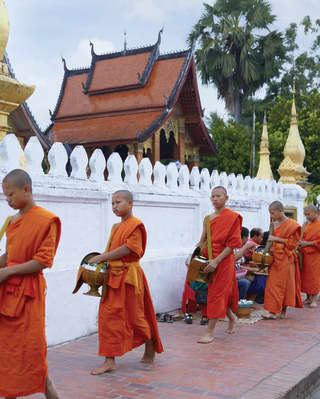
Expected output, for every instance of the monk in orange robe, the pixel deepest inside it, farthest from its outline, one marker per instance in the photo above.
(32, 239)
(223, 295)
(126, 316)
(283, 286)
(310, 247)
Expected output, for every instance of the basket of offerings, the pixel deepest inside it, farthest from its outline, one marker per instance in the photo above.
(244, 309)
(263, 259)
(94, 275)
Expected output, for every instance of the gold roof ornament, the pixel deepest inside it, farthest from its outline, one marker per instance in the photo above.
(12, 92)
(264, 170)
(291, 169)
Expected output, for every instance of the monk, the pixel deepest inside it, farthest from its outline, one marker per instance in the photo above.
(223, 296)
(283, 286)
(32, 240)
(310, 247)
(126, 316)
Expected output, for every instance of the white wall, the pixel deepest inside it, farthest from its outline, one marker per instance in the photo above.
(172, 206)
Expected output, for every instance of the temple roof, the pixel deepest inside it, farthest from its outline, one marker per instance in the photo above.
(126, 96)
(23, 120)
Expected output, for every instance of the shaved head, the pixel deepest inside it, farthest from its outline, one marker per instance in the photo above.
(18, 178)
(311, 208)
(221, 188)
(126, 194)
(277, 205)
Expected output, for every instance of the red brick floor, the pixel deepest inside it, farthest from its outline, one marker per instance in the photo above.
(260, 361)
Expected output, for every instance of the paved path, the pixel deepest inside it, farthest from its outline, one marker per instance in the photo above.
(263, 361)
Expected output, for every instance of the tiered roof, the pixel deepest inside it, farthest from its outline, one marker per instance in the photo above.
(126, 96)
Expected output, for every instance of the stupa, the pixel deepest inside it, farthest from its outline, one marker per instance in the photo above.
(264, 170)
(291, 169)
(12, 92)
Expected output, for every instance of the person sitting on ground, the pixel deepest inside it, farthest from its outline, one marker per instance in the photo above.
(243, 283)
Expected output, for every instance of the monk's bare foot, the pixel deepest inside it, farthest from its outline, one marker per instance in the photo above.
(283, 314)
(307, 301)
(149, 353)
(269, 316)
(108, 365)
(232, 322)
(313, 305)
(51, 392)
(206, 339)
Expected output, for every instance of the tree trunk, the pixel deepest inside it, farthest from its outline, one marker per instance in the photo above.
(237, 107)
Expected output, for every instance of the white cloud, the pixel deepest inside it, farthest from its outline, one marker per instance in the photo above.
(147, 9)
(82, 55)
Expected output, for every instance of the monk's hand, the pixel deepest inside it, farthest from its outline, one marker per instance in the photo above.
(97, 259)
(211, 267)
(4, 274)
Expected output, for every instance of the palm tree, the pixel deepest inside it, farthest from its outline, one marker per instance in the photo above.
(237, 51)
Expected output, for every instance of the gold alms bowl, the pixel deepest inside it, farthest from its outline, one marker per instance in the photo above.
(91, 275)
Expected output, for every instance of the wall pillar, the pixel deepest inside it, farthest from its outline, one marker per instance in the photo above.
(138, 152)
(181, 140)
(194, 159)
(156, 147)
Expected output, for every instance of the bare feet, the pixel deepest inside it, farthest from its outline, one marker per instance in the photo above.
(149, 353)
(269, 316)
(232, 322)
(313, 305)
(283, 314)
(51, 392)
(206, 339)
(108, 365)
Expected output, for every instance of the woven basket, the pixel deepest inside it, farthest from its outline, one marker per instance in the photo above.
(243, 313)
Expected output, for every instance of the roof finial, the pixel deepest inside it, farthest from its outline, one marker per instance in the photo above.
(294, 88)
(125, 42)
(64, 64)
(159, 35)
(92, 48)
(265, 118)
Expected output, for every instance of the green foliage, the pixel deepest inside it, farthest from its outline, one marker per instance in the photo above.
(237, 51)
(233, 143)
(312, 195)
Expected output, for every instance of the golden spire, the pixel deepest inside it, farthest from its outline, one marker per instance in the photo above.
(291, 169)
(264, 170)
(12, 92)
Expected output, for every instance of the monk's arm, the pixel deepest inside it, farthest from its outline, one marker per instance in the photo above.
(203, 238)
(32, 266)
(3, 260)
(213, 264)
(242, 250)
(116, 254)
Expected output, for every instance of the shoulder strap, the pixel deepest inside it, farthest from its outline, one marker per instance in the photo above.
(209, 237)
(109, 240)
(4, 227)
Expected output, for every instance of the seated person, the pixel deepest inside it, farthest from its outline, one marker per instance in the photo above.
(243, 283)
(256, 236)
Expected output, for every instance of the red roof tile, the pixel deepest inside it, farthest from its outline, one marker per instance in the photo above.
(118, 72)
(103, 129)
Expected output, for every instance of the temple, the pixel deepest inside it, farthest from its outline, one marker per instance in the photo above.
(134, 101)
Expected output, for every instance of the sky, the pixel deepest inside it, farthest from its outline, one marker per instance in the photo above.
(41, 31)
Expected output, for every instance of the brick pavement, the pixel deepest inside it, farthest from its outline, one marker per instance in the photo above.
(263, 361)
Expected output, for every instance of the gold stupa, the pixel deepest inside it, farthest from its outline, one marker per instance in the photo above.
(291, 169)
(264, 170)
(12, 92)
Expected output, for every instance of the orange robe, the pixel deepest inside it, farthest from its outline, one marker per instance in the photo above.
(283, 286)
(223, 290)
(310, 277)
(126, 316)
(23, 364)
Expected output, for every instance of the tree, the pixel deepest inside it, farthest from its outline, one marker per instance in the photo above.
(237, 51)
(233, 144)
